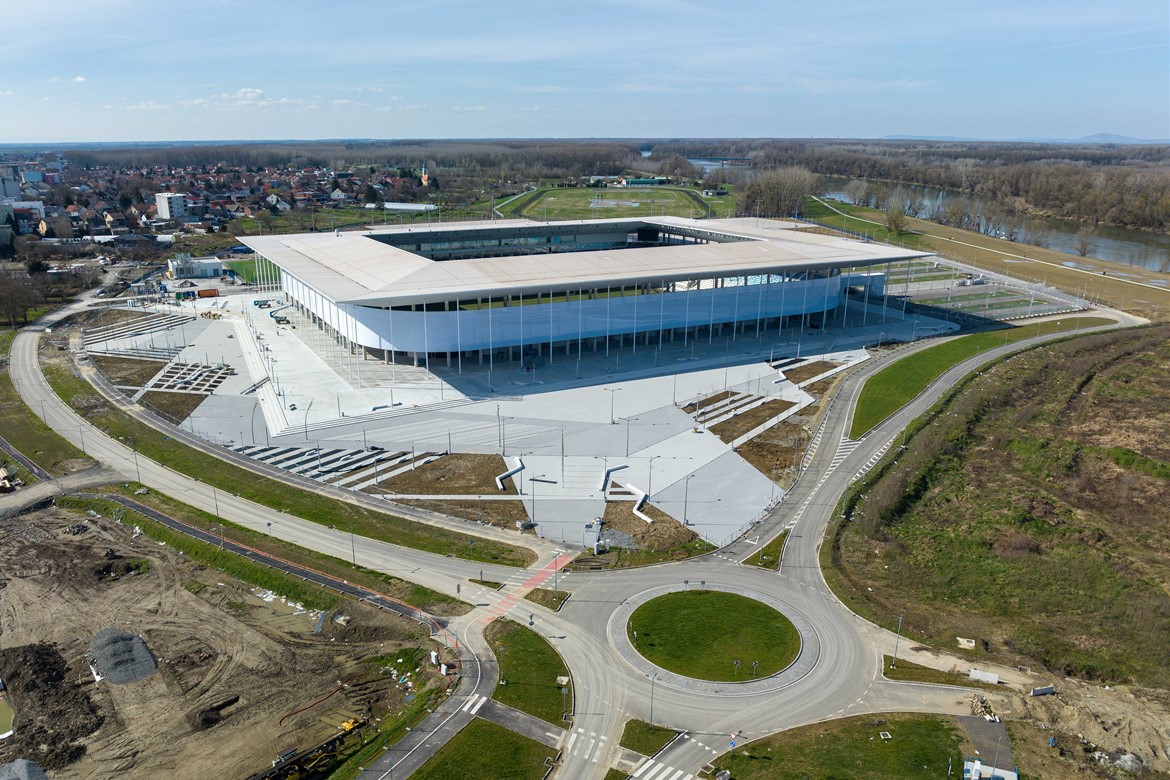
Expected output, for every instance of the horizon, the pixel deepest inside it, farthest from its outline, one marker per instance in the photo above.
(650, 69)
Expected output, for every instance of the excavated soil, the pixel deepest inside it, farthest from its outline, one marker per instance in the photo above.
(231, 664)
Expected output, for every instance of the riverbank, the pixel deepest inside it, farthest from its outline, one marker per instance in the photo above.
(1138, 291)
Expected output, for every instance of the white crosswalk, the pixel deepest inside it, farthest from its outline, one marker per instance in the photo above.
(587, 745)
(652, 770)
(473, 703)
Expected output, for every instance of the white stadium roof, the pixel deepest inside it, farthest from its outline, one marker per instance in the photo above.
(353, 267)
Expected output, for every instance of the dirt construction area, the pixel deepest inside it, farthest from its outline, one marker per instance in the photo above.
(241, 676)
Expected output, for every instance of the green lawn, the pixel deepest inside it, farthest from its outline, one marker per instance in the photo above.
(24, 430)
(919, 748)
(379, 582)
(295, 501)
(7, 715)
(531, 667)
(768, 556)
(610, 203)
(640, 736)
(700, 633)
(896, 385)
(245, 269)
(485, 750)
(912, 672)
(292, 588)
(857, 219)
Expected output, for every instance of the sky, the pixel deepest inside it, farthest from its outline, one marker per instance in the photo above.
(126, 70)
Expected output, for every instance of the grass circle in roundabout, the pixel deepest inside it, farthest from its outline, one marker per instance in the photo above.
(702, 633)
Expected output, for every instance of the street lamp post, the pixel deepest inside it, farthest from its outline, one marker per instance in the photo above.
(686, 497)
(307, 410)
(628, 419)
(613, 391)
(137, 470)
(215, 500)
(650, 724)
(650, 479)
(897, 639)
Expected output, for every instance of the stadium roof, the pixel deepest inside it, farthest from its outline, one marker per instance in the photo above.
(363, 267)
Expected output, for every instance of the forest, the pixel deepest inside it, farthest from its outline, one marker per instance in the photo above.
(1121, 185)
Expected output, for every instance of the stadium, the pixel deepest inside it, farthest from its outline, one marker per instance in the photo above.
(503, 291)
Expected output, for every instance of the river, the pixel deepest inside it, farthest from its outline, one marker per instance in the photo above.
(1135, 248)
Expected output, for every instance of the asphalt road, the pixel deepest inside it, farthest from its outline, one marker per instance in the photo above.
(608, 689)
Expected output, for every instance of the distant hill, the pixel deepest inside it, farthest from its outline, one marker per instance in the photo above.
(1099, 138)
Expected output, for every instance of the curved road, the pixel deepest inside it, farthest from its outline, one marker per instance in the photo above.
(844, 679)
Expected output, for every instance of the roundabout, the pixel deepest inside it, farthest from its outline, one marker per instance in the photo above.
(692, 639)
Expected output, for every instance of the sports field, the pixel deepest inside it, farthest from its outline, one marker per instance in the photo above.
(590, 203)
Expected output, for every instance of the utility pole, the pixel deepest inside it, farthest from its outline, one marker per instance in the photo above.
(897, 639)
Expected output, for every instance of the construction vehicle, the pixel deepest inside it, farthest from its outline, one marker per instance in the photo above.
(353, 723)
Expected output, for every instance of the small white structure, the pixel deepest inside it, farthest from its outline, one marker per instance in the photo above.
(188, 267)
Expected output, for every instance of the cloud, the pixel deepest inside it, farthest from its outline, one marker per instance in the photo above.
(148, 105)
(649, 87)
(60, 79)
(830, 86)
(543, 89)
(7, 93)
(344, 102)
(468, 108)
(79, 79)
(246, 98)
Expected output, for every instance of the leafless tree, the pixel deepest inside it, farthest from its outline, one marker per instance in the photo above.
(1085, 243)
(778, 193)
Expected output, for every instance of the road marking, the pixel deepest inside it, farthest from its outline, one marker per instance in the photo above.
(589, 750)
(569, 749)
(470, 700)
(656, 770)
(482, 701)
(643, 768)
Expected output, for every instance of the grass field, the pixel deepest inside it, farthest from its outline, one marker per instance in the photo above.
(416, 595)
(855, 219)
(1031, 513)
(483, 749)
(896, 385)
(546, 597)
(769, 555)
(7, 715)
(919, 748)
(531, 666)
(610, 203)
(701, 633)
(644, 738)
(245, 269)
(907, 671)
(25, 431)
(292, 588)
(302, 503)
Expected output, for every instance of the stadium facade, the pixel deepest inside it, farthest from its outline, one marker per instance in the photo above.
(517, 290)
